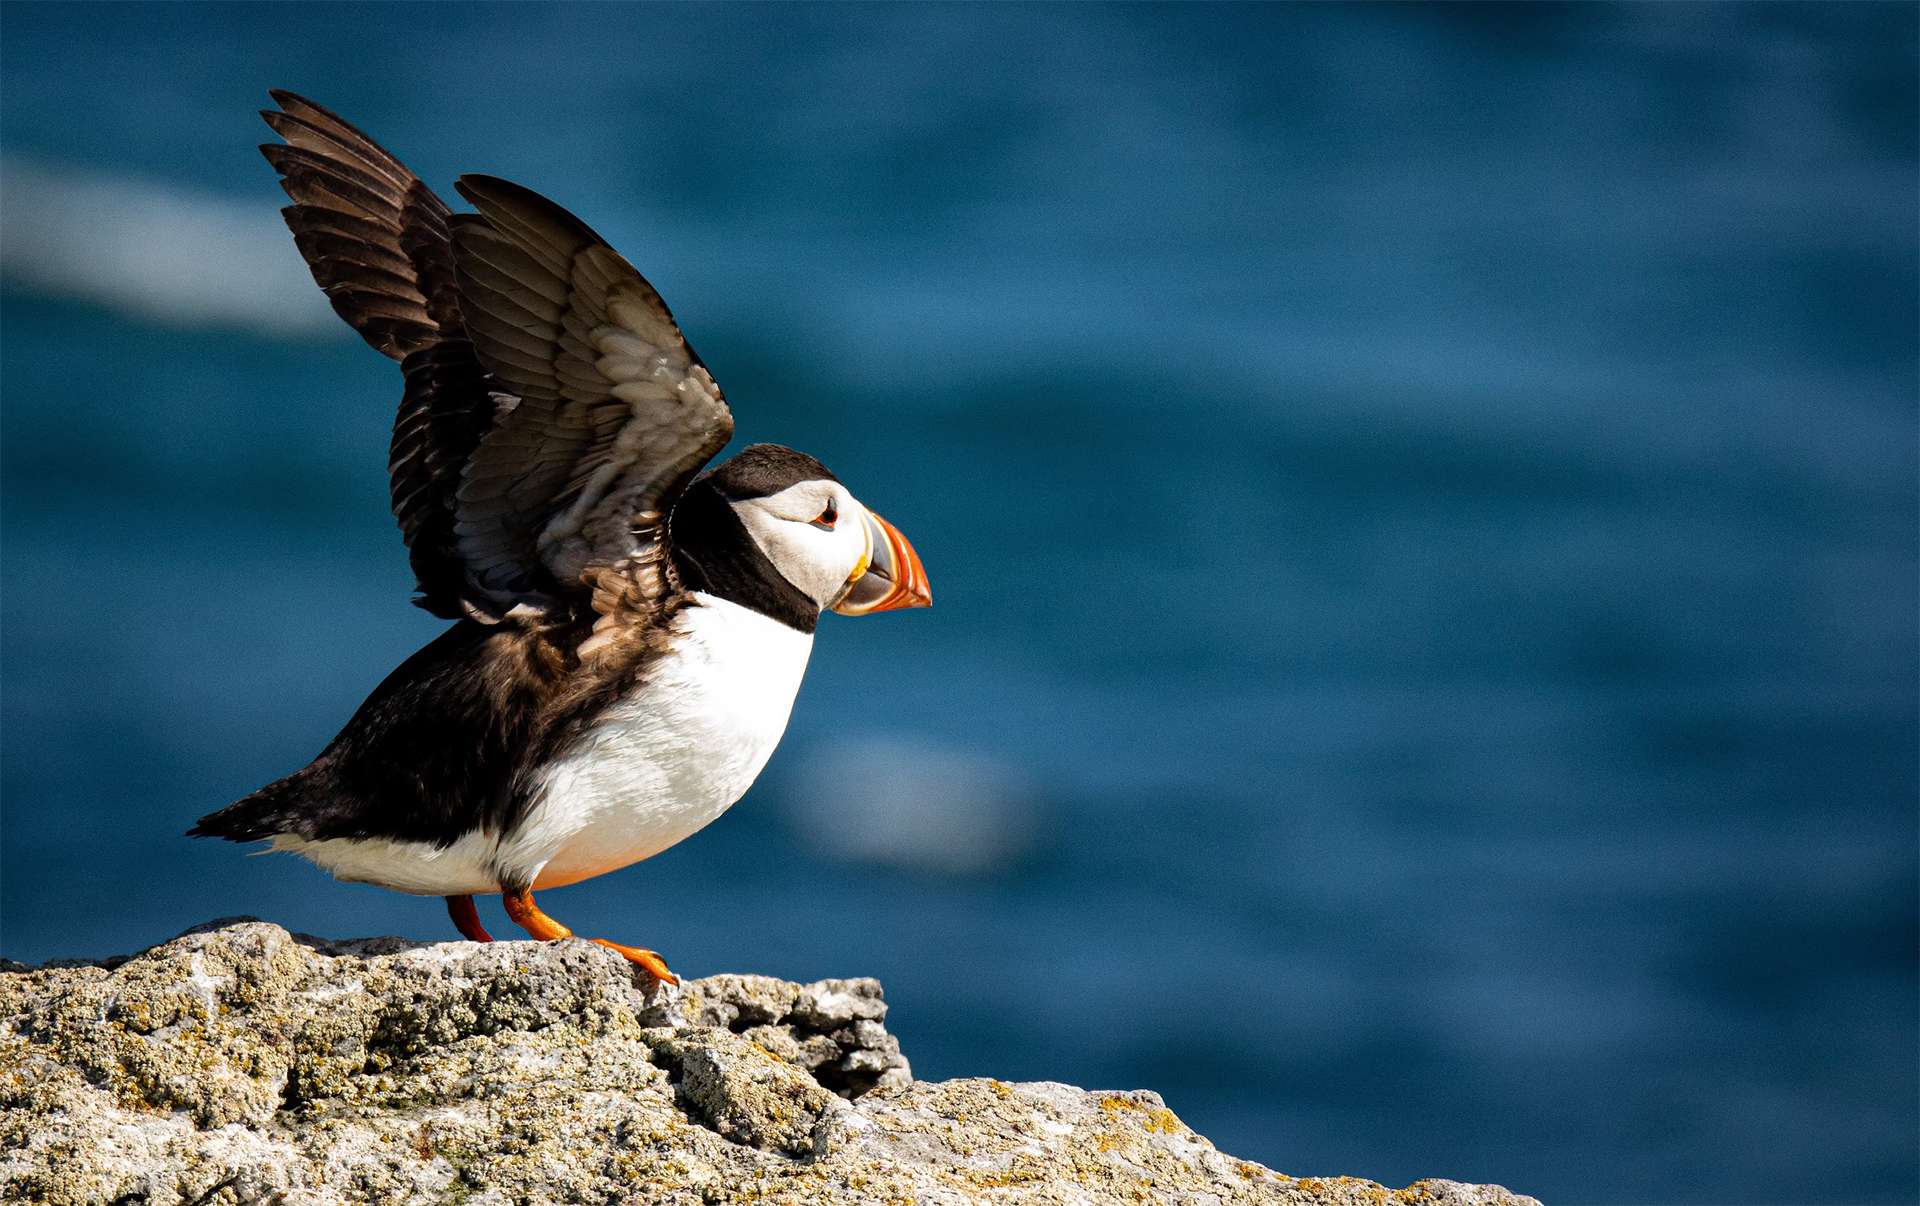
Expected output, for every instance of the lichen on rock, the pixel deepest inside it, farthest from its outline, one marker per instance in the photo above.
(240, 1063)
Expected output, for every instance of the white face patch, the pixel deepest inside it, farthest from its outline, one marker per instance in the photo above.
(817, 560)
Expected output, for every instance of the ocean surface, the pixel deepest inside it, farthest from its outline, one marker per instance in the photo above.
(1421, 502)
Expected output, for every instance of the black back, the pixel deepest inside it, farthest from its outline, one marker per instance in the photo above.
(430, 755)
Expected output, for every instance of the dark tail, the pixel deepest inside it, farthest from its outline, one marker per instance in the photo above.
(266, 813)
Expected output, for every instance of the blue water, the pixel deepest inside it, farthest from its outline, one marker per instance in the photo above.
(1422, 504)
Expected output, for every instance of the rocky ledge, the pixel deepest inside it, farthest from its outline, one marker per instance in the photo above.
(241, 1063)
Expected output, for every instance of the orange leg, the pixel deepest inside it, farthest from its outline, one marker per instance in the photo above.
(527, 916)
(467, 919)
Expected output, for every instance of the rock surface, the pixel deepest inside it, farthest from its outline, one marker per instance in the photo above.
(241, 1063)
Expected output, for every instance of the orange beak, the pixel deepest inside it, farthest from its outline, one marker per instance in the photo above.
(893, 577)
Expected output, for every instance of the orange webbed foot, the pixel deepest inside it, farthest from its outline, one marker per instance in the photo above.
(528, 916)
(645, 960)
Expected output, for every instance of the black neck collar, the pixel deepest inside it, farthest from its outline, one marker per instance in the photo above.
(713, 553)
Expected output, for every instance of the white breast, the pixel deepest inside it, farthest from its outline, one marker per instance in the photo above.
(665, 762)
(656, 768)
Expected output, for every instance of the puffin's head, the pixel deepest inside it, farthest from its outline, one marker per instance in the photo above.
(800, 523)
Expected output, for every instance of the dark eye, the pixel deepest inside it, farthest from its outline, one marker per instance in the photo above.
(828, 517)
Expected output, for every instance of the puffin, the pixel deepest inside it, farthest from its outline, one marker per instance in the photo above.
(628, 627)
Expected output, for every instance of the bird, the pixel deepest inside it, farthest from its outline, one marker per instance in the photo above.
(629, 628)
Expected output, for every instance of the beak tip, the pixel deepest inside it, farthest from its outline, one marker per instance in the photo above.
(897, 565)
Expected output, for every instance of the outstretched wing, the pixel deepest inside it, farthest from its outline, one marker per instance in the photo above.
(376, 240)
(552, 413)
(616, 413)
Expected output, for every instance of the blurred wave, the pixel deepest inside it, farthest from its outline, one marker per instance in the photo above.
(914, 804)
(154, 251)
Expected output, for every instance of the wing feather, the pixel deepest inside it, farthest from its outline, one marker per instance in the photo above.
(616, 411)
(376, 240)
(553, 412)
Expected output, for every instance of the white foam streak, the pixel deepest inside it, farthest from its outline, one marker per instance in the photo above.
(913, 803)
(156, 251)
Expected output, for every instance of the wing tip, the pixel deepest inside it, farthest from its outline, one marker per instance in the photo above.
(295, 105)
(496, 197)
(476, 185)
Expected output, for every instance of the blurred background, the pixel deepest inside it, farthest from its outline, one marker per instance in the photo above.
(1422, 503)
